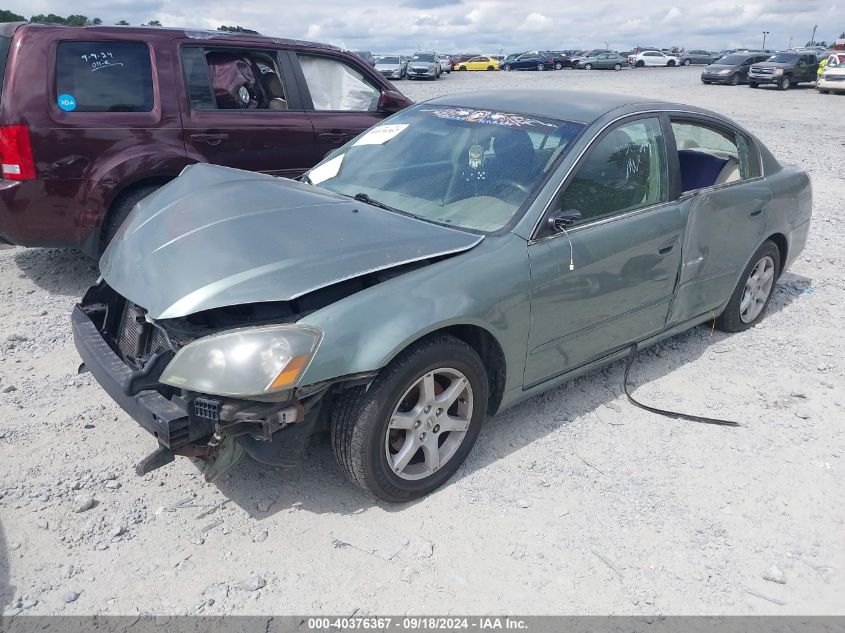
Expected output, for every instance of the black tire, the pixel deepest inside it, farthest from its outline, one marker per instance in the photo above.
(508, 67)
(687, 62)
(558, 66)
(752, 84)
(785, 83)
(573, 65)
(640, 63)
(361, 416)
(541, 67)
(588, 66)
(824, 91)
(735, 79)
(490, 68)
(462, 68)
(617, 67)
(670, 64)
(120, 209)
(731, 320)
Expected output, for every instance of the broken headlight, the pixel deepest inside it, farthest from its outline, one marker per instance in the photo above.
(244, 362)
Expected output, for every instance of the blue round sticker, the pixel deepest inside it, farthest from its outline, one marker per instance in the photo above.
(67, 103)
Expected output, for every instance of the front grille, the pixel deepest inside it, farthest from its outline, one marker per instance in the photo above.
(762, 71)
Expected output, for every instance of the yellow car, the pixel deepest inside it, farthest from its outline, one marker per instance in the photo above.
(479, 63)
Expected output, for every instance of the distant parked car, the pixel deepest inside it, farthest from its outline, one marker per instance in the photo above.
(424, 65)
(696, 57)
(833, 77)
(445, 63)
(367, 56)
(479, 63)
(560, 58)
(785, 70)
(392, 66)
(574, 59)
(529, 61)
(653, 58)
(603, 61)
(94, 119)
(463, 57)
(731, 69)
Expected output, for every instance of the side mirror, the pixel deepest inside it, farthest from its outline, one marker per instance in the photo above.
(561, 220)
(391, 101)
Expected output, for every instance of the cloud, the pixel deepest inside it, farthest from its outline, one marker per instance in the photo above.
(473, 25)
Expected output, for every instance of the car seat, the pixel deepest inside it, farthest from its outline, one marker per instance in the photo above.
(699, 169)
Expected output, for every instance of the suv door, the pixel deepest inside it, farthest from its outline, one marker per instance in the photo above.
(340, 98)
(624, 254)
(242, 109)
(806, 68)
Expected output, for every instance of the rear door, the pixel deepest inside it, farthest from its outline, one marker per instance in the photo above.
(341, 98)
(241, 108)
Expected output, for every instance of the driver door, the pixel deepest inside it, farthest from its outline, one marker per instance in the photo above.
(625, 254)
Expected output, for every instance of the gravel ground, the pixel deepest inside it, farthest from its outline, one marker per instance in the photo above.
(574, 502)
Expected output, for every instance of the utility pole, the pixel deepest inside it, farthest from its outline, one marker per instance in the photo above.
(765, 33)
(813, 39)
(790, 42)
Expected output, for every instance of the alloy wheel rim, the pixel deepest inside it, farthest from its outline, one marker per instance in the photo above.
(757, 289)
(429, 424)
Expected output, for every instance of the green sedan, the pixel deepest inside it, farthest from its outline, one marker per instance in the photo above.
(463, 255)
(603, 61)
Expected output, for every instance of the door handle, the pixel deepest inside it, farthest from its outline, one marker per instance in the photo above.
(210, 138)
(334, 137)
(756, 213)
(666, 248)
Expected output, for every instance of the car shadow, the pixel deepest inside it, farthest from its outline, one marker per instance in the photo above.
(319, 486)
(61, 272)
(7, 591)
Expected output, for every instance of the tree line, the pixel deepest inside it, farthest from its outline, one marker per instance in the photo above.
(84, 20)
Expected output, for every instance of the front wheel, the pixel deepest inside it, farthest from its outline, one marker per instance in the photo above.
(588, 66)
(640, 64)
(409, 432)
(490, 68)
(752, 294)
(785, 83)
(541, 67)
(687, 62)
(670, 64)
(558, 66)
(752, 84)
(735, 79)
(508, 67)
(617, 67)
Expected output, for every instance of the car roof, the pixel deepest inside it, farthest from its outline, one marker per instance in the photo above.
(567, 105)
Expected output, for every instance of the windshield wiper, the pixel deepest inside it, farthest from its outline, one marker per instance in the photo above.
(363, 197)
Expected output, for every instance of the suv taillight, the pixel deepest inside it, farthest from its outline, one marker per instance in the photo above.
(16, 153)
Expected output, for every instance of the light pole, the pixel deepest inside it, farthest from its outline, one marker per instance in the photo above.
(813, 39)
(765, 33)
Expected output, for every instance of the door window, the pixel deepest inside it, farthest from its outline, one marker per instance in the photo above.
(709, 156)
(625, 170)
(335, 85)
(233, 79)
(104, 77)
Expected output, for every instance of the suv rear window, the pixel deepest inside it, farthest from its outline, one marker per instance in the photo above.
(104, 77)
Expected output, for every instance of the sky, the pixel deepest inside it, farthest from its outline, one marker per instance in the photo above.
(485, 26)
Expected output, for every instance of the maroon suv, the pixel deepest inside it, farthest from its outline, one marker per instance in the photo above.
(92, 119)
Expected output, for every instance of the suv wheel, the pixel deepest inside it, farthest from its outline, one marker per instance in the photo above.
(119, 211)
(409, 432)
(785, 83)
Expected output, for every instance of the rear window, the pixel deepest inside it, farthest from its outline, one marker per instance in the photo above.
(5, 44)
(104, 77)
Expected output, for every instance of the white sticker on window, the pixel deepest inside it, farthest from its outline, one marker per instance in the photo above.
(325, 171)
(381, 134)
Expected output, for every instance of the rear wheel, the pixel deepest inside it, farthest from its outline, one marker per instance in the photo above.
(409, 432)
(541, 67)
(670, 63)
(558, 65)
(687, 62)
(785, 83)
(588, 66)
(617, 67)
(507, 67)
(752, 294)
(640, 63)
(119, 211)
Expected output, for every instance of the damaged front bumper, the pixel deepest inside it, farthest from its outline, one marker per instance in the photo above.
(185, 423)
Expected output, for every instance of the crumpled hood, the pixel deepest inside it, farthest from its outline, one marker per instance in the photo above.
(217, 236)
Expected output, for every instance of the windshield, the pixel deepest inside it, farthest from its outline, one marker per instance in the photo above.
(733, 60)
(783, 58)
(456, 166)
(423, 57)
(388, 60)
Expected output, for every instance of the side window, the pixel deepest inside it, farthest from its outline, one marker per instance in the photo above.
(710, 156)
(336, 86)
(233, 79)
(625, 170)
(104, 77)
